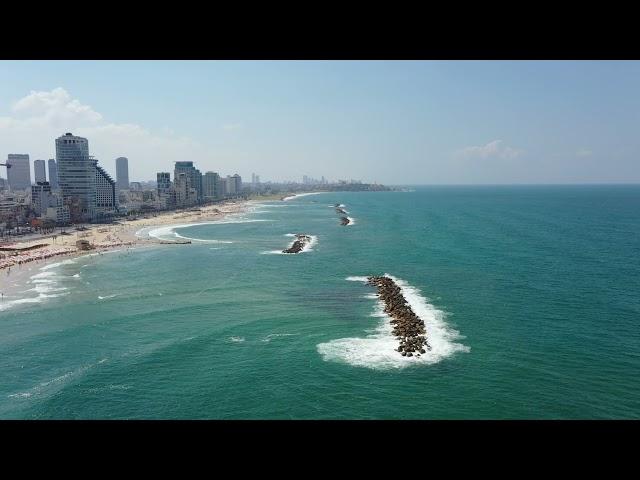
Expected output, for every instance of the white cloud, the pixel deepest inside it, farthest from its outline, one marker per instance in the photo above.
(584, 152)
(232, 126)
(37, 119)
(494, 149)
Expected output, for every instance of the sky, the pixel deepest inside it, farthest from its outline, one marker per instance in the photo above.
(391, 122)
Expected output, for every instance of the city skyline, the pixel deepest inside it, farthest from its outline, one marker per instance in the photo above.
(385, 122)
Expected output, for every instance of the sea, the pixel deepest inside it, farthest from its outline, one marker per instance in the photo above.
(530, 297)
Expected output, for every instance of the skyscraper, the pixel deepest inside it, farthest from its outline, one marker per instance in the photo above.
(40, 170)
(209, 186)
(193, 173)
(122, 173)
(166, 193)
(53, 174)
(76, 176)
(186, 194)
(221, 187)
(19, 174)
(234, 184)
(106, 198)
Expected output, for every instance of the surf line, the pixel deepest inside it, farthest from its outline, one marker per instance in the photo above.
(407, 326)
(344, 220)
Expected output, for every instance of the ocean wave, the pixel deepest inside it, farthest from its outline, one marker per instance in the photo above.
(46, 284)
(202, 240)
(378, 349)
(168, 231)
(107, 296)
(286, 199)
(49, 387)
(68, 261)
(277, 335)
(236, 339)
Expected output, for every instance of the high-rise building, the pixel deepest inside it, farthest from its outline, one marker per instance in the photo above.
(221, 187)
(166, 193)
(122, 173)
(234, 184)
(231, 186)
(106, 197)
(163, 182)
(19, 173)
(210, 186)
(40, 170)
(40, 193)
(53, 174)
(193, 173)
(76, 176)
(186, 194)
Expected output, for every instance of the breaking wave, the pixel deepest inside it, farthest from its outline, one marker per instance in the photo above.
(378, 349)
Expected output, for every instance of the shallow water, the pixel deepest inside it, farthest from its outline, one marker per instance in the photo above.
(529, 296)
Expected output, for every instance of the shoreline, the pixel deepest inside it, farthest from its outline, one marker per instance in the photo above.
(15, 269)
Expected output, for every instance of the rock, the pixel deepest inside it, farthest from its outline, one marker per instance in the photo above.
(407, 325)
(298, 245)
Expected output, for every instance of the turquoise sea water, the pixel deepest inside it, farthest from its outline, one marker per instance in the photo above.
(530, 296)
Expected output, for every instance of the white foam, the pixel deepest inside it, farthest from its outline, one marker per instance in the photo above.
(107, 296)
(201, 239)
(357, 279)
(57, 264)
(276, 335)
(236, 339)
(307, 248)
(286, 199)
(168, 231)
(45, 284)
(378, 350)
(351, 222)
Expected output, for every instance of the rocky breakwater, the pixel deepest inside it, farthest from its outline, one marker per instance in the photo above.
(407, 326)
(344, 221)
(298, 245)
(341, 211)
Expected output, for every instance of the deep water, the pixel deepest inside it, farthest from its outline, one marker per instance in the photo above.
(530, 295)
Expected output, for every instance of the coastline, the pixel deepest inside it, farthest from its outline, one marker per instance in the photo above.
(15, 269)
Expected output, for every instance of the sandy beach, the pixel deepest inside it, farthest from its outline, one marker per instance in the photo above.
(104, 237)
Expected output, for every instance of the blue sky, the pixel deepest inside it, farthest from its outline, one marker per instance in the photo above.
(388, 121)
